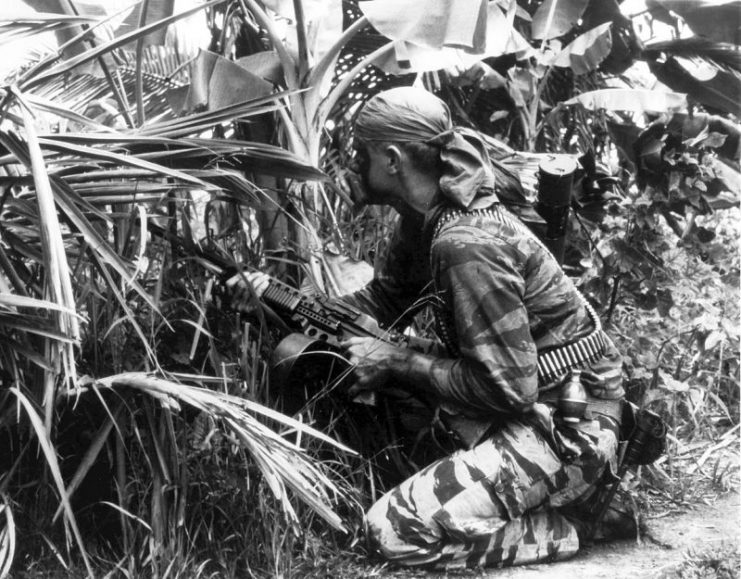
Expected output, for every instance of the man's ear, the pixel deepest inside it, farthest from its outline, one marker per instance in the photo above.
(392, 158)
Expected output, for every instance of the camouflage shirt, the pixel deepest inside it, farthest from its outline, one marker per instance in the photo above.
(500, 297)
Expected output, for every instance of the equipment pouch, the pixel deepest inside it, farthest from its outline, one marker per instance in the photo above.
(645, 434)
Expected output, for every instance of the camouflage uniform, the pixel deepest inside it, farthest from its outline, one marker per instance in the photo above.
(501, 298)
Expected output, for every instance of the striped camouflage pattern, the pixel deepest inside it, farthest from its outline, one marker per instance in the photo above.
(505, 298)
(402, 274)
(496, 504)
(500, 298)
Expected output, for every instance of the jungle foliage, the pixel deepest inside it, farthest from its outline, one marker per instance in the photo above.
(138, 421)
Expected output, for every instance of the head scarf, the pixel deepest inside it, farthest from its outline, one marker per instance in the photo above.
(408, 114)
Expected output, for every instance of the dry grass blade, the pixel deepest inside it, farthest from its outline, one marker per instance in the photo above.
(58, 272)
(37, 326)
(127, 514)
(90, 457)
(48, 106)
(16, 28)
(42, 435)
(15, 301)
(281, 462)
(103, 254)
(126, 160)
(11, 344)
(7, 538)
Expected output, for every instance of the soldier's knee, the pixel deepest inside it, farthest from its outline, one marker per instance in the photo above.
(378, 528)
(397, 537)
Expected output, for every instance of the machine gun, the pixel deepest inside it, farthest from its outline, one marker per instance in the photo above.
(323, 319)
(319, 326)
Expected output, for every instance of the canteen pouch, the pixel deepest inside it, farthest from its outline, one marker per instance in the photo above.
(644, 433)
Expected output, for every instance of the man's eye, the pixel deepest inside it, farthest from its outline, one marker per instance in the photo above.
(360, 160)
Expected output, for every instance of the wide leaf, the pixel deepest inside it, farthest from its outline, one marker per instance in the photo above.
(110, 46)
(587, 50)
(318, 25)
(216, 82)
(709, 72)
(155, 10)
(635, 100)
(431, 23)
(554, 18)
(715, 19)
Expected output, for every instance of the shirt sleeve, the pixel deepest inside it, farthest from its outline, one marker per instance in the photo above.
(480, 280)
(402, 273)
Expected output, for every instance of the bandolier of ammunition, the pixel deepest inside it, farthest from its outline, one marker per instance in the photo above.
(555, 362)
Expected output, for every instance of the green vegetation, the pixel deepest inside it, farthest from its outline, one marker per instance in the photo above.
(723, 562)
(139, 423)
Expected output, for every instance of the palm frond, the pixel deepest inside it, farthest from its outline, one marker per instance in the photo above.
(16, 28)
(112, 45)
(282, 463)
(184, 153)
(38, 326)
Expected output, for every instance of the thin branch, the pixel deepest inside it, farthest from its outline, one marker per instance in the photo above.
(139, 55)
(613, 299)
(303, 48)
(286, 60)
(317, 73)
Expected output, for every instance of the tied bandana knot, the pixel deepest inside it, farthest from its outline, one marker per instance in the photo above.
(466, 167)
(406, 115)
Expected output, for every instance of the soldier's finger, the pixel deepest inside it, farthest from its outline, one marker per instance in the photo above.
(234, 280)
(260, 282)
(351, 342)
(256, 279)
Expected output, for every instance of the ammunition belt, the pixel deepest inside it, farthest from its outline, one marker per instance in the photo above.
(556, 362)
(559, 360)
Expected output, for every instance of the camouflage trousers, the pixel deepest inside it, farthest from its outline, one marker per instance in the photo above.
(496, 504)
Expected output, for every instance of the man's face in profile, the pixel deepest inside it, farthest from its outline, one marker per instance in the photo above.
(366, 178)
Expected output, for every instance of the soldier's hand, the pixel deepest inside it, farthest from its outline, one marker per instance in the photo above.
(246, 290)
(373, 362)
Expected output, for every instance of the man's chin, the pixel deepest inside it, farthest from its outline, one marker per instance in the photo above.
(382, 199)
(374, 197)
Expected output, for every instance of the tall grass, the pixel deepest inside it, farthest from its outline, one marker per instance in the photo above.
(136, 412)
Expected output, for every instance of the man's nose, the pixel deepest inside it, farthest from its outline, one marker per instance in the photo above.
(354, 165)
(358, 193)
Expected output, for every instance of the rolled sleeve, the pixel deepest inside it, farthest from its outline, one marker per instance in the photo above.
(402, 274)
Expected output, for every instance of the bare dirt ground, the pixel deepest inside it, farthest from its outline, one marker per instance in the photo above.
(707, 521)
(671, 537)
(666, 545)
